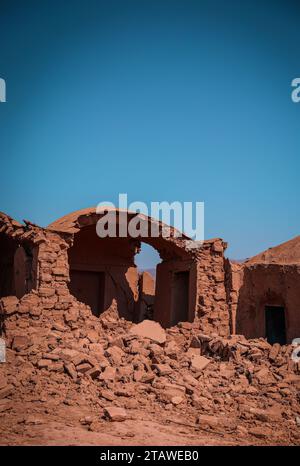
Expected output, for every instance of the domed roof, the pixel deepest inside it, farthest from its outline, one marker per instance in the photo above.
(285, 253)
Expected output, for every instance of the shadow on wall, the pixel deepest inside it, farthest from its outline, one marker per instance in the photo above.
(99, 289)
(8, 248)
(17, 267)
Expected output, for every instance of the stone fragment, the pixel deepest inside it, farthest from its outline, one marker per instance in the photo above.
(96, 349)
(259, 432)
(176, 400)
(170, 392)
(94, 372)
(205, 420)
(162, 369)
(193, 352)
(46, 291)
(70, 370)
(56, 366)
(190, 380)
(61, 271)
(199, 363)
(83, 368)
(71, 316)
(5, 405)
(274, 351)
(148, 377)
(115, 354)
(52, 356)
(126, 391)
(114, 413)
(264, 377)
(3, 381)
(35, 311)
(93, 336)
(107, 395)
(109, 373)
(272, 414)
(95, 426)
(86, 421)
(138, 374)
(33, 420)
(44, 363)
(172, 350)
(68, 354)
(6, 391)
(186, 325)
(149, 329)
(58, 327)
(195, 342)
(20, 342)
(9, 304)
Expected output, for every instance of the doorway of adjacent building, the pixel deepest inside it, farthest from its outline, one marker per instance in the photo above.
(146, 261)
(180, 297)
(275, 324)
(88, 288)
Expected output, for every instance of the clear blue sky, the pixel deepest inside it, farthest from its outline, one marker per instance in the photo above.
(164, 100)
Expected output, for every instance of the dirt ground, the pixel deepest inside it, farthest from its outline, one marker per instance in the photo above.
(33, 423)
(110, 382)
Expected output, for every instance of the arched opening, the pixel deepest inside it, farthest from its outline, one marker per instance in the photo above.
(147, 259)
(104, 271)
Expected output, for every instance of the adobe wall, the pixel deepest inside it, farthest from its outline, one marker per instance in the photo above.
(234, 275)
(211, 305)
(207, 292)
(145, 305)
(268, 285)
(252, 287)
(164, 296)
(53, 250)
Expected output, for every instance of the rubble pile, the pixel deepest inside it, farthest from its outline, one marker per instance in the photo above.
(246, 387)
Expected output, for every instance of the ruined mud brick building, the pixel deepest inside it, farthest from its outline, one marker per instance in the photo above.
(264, 297)
(59, 267)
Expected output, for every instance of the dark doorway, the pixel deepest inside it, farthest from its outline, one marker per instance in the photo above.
(275, 325)
(8, 247)
(180, 297)
(88, 287)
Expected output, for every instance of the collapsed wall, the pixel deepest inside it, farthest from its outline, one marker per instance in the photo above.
(64, 261)
(189, 280)
(212, 309)
(69, 260)
(18, 257)
(245, 388)
(56, 345)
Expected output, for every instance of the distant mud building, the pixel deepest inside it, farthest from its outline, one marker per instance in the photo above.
(67, 263)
